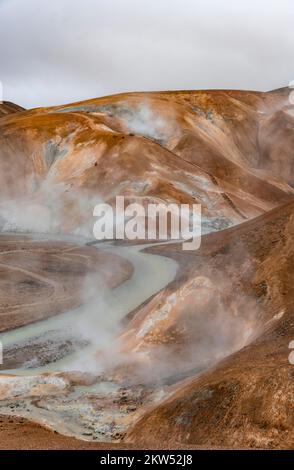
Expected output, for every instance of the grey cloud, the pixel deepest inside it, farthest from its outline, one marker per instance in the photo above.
(60, 51)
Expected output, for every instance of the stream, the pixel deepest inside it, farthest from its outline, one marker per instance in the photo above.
(72, 411)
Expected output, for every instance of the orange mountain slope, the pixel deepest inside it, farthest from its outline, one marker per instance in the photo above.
(247, 285)
(208, 147)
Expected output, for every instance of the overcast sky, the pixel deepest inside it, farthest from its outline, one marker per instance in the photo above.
(58, 51)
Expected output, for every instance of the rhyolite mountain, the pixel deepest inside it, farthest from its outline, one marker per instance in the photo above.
(217, 148)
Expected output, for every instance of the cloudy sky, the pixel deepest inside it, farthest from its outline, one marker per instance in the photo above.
(58, 51)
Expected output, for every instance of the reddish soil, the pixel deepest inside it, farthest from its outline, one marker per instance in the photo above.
(21, 434)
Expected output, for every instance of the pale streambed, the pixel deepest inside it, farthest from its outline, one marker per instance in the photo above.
(101, 410)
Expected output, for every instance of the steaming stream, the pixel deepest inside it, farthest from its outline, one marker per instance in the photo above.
(102, 410)
(151, 274)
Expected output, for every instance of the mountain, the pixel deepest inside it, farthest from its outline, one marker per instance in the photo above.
(207, 147)
(243, 400)
(204, 362)
(7, 108)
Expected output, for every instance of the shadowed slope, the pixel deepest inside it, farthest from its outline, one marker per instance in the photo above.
(7, 108)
